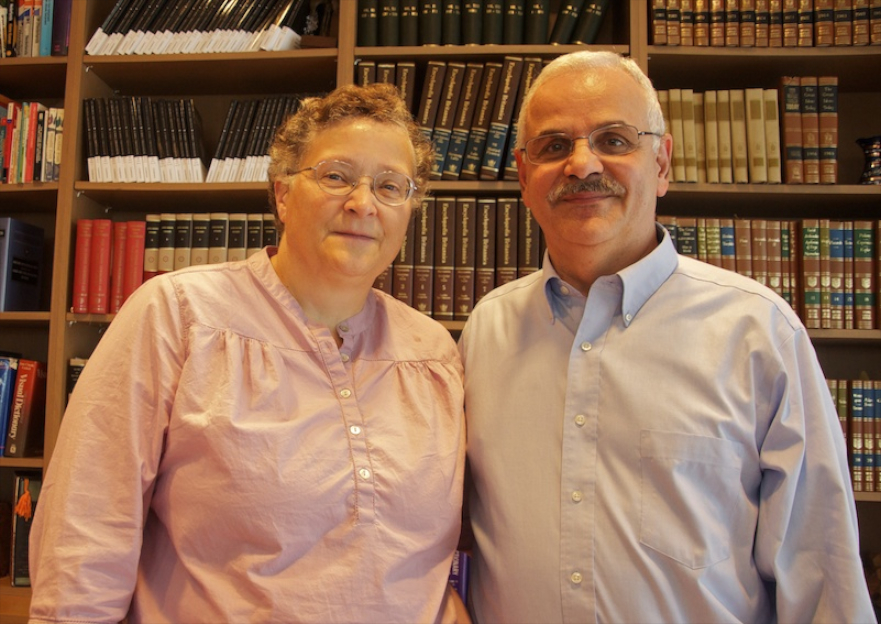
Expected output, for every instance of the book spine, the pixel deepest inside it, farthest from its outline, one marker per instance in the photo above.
(237, 245)
(462, 121)
(120, 234)
(757, 148)
(659, 22)
(368, 15)
(423, 272)
(810, 236)
(791, 120)
(81, 266)
(567, 18)
(403, 266)
(133, 266)
(218, 237)
(465, 249)
(529, 235)
(506, 240)
(8, 371)
(865, 286)
(99, 267)
(444, 258)
(493, 22)
(485, 250)
(828, 127)
(497, 136)
(30, 482)
(537, 26)
(443, 128)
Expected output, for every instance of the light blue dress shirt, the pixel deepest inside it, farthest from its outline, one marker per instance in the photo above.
(664, 450)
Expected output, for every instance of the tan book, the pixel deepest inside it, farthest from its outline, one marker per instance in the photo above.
(755, 133)
(828, 126)
(805, 27)
(688, 133)
(717, 23)
(700, 137)
(723, 120)
(763, 23)
(743, 247)
(790, 23)
(711, 137)
(678, 132)
(674, 22)
(732, 23)
(875, 39)
(739, 150)
(775, 256)
(686, 26)
(771, 118)
(775, 23)
(659, 22)
(861, 22)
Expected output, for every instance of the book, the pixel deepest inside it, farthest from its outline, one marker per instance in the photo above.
(810, 127)
(368, 29)
(388, 23)
(711, 137)
(747, 10)
(254, 234)
(659, 22)
(811, 291)
(507, 210)
(8, 372)
(408, 23)
(842, 22)
(181, 240)
(117, 264)
(700, 136)
(835, 285)
(865, 286)
(444, 258)
(771, 118)
(702, 23)
(689, 130)
(485, 247)
(465, 252)
(538, 20)
(513, 22)
(494, 155)
(824, 22)
(21, 265)
(739, 144)
(27, 417)
(237, 237)
(151, 245)
(532, 66)
(732, 23)
(763, 23)
(167, 228)
(99, 266)
(460, 574)
(451, 22)
(430, 22)
(133, 263)
(201, 239)
(717, 23)
(528, 241)
(791, 122)
(27, 485)
(423, 257)
(743, 247)
(674, 22)
(757, 147)
(725, 136)
(480, 123)
(82, 268)
(218, 237)
(432, 88)
(828, 128)
(403, 266)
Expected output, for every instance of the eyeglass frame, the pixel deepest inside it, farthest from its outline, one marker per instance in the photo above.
(411, 188)
(590, 142)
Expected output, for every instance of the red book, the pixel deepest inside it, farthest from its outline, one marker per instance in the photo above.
(99, 267)
(82, 257)
(27, 415)
(118, 266)
(133, 266)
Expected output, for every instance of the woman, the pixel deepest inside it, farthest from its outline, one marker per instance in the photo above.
(272, 439)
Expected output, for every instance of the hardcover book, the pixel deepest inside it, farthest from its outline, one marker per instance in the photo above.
(27, 492)
(27, 416)
(21, 265)
(444, 258)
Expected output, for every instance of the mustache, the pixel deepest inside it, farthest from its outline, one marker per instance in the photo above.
(592, 184)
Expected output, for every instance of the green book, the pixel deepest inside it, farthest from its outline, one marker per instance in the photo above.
(493, 21)
(462, 121)
(408, 25)
(566, 20)
(368, 14)
(451, 22)
(512, 22)
(429, 22)
(589, 22)
(538, 19)
(472, 22)
(486, 97)
(389, 23)
(500, 123)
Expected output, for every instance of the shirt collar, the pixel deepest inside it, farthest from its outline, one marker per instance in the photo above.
(640, 280)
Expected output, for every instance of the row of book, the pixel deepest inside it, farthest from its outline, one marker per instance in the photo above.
(112, 259)
(34, 27)
(206, 26)
(141, 139)
(21, 265)
(828, 270)
(755, 135)
(15, 526)
(477, 22)
(858, 402)
(766, 23)
(22, 406)
(30, 141)
(467, 110)
(242, 153)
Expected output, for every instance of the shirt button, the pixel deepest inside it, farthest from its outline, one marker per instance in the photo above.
(344, 357)
(580, 420)
(365, 473)
(628, 317)
(576, 578)
(564, 290)
(577, 496)
(343, 327)
(345, 393)
(586, 346)
(355, 429)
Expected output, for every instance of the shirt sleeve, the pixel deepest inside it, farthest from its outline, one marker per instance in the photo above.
(88, 526)
(807, 538)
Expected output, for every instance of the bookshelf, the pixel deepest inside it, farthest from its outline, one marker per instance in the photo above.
(213, 80)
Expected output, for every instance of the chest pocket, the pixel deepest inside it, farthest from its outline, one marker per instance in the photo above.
(690, 492)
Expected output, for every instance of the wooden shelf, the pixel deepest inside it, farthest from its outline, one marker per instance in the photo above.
(33, 78)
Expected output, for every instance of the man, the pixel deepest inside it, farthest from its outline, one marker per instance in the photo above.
(650, 438)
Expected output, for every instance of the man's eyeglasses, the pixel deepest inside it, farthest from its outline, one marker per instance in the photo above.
(612, 140)
(339, 178)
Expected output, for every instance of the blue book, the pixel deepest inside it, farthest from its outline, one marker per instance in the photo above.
(836, 282)
(729, 253)
(46, 28)
(494, 155)
(459, 573)
(8, 372)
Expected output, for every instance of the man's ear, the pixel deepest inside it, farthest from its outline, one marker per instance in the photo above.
(664, 159)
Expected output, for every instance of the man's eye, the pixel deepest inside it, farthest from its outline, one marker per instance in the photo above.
(556, 146)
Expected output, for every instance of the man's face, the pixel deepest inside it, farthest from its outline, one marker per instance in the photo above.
(588, 202)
